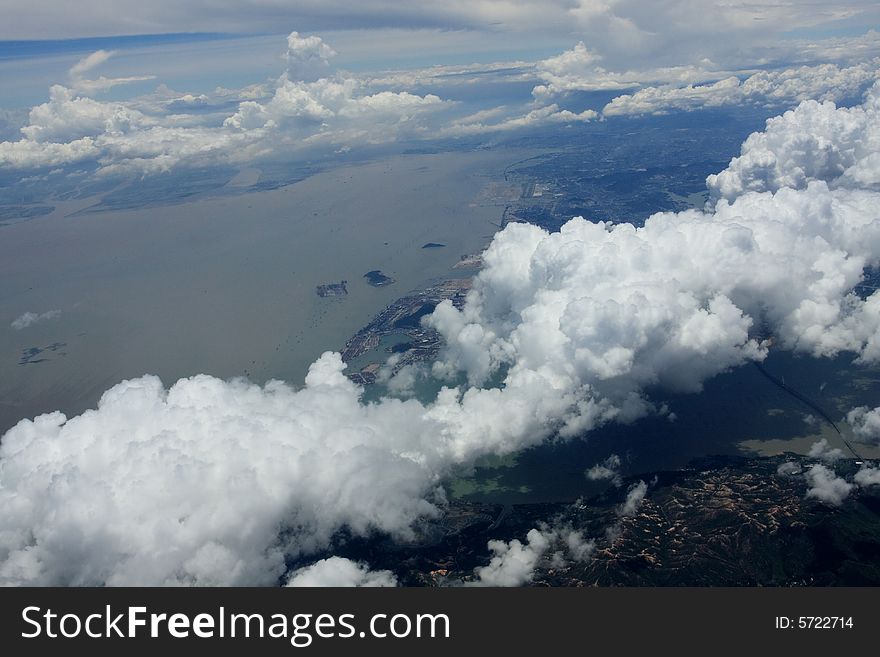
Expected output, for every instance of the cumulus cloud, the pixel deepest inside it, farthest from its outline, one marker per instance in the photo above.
(579, 69)
(29, 319)
(824, 452)
(337, 571)
(73, 128)
(826, 486)
(789, 469)
(634, 498)
(586, 318)
(579, 547)
(68, 117)
(576, 70)
(867, 476)
(514, 563)
(814, 141)
(608, 470)
(209, 482)
(826, 82)
(217, 483)
(311, 104)
(580, 322)
(865, 423)
(308, 57)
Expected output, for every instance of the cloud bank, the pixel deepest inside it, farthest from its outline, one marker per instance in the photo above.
(312, 106)
(825, 82)
(309, 105)
(209, 482)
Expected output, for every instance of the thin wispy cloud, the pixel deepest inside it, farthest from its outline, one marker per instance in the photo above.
(27, 319)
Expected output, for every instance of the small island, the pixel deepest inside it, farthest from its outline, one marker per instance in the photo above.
(377, 279)
(332, 289)
(433, 245)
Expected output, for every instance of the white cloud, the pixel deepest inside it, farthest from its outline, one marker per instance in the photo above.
(216, 483)
(578, 323)
(824, 452)
(187, 102)
(826, 486)
(307, 57)
(89, 62)
(444, 75)
(68, 117)
(608, 470)
(336, 571)
(400, 382)
(865, 423)
(815, 141)
(867, 476)
(578, 69)
(29, 319)
(826, 82)
(513, 563)
(658, 100)
(309, 105)
(822, 82)
(312, 106)
(579, 547)
(209, 482)
(582, 320)
(634, 498)
(337, 109)
(548, 114)
(82, 84)
(788, 469)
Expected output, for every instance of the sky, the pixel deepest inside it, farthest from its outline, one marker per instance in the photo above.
(124, 104)
(206, 481)
(612, 25)
(385, 33)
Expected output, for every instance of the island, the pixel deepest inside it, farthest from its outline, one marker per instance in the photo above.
(332, 289)
(377, 279)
